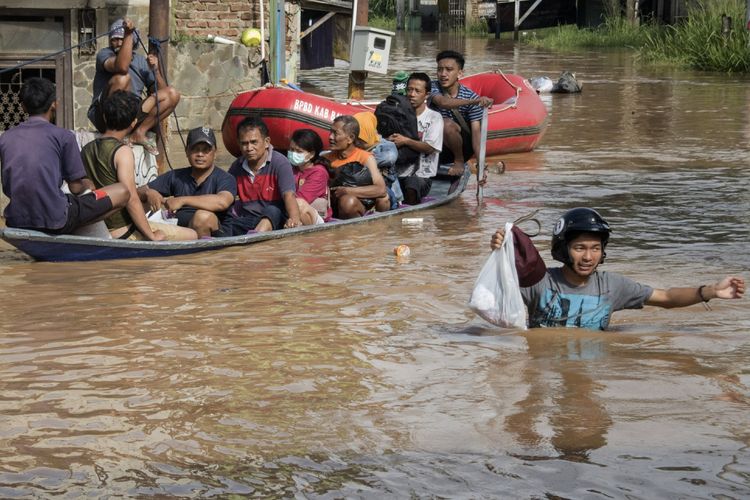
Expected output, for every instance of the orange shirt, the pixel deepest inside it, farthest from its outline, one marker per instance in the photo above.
(358, 155)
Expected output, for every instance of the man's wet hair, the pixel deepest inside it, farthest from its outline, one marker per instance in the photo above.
(37, 95)
(451, 54)
(424, 77)
(253, 122)
(120, 109)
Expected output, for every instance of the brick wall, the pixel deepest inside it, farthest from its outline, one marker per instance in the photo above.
(215, 17)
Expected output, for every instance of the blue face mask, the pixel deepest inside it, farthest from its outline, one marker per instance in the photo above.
(296, 158)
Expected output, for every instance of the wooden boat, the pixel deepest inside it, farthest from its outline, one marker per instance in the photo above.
(65, 248)
(516, 121)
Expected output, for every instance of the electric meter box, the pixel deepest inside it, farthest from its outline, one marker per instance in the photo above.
(370, 49)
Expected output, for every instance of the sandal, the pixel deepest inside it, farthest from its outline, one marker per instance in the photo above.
(148, 144)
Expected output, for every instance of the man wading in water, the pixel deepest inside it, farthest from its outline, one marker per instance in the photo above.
(579, 295)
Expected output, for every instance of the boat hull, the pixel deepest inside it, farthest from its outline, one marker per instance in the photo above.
(70, 248)
(516, 121)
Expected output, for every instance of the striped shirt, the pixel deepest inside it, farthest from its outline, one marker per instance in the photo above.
(470, 112)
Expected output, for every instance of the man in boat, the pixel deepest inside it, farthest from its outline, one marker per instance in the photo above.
(461, 108)
(579, 295)
(119, 67)
(265, 184)
(200, 194)
(36, 157)
(109, 159)
(416, 180)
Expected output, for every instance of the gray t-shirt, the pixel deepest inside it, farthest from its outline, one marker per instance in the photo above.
(553, 302)
(140, 74)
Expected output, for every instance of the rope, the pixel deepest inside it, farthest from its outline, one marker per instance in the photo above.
(48, 56)
(517, 88)
(530, 217)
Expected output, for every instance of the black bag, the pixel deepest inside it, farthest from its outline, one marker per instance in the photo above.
(352, 174)
(396, 116)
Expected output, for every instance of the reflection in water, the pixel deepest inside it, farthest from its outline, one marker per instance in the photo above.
(577, 417)
(324, 367)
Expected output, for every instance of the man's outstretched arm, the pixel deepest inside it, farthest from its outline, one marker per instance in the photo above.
(730, 287)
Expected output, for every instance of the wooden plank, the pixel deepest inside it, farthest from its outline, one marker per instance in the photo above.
(531, 9)
(316, 24)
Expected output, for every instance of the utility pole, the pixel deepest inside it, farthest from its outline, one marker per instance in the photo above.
(158, 27)
(399, 15)
(357, 78)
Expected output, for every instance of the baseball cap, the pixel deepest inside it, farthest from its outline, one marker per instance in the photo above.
(116, 29)
(201, 134)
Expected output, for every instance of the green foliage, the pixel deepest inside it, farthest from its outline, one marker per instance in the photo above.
(478, 28)
(697, 41)
(615, 31)
(382, 8)
(382, 22)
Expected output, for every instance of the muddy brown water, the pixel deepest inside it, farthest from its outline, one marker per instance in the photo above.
(323, 367)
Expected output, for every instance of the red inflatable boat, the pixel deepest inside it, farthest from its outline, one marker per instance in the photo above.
(516, 120)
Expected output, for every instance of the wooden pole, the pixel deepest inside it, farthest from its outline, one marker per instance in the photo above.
(158, 27)
(516, 20)
(497, 19)
(482, 153)
(357, 78)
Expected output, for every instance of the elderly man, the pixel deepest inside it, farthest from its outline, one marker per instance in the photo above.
(118, 67)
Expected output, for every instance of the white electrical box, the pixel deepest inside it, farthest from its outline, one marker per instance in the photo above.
(370, 49)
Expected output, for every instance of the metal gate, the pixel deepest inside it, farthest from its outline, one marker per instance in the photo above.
(11, 112)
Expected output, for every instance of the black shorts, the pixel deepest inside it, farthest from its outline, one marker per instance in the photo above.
(419, 184)
(446, 155)
(96, 115)
(83, 210)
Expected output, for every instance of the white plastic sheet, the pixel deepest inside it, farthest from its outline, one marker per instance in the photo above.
(497, 296)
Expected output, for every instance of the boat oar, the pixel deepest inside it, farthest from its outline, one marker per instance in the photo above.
(481, 154)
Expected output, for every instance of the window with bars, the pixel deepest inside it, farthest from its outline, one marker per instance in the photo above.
(11, 112)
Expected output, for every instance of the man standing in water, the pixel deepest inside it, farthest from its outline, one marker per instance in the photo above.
(461, 108)
(119, 67)
(579, 295)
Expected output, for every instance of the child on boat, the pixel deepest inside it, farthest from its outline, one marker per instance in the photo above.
(36, 157)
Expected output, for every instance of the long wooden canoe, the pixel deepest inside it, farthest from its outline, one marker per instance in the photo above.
(67, 248)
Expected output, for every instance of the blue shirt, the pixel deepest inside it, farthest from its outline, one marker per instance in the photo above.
(140, 74)
(470, 112)
(35, 157)
(181, 182)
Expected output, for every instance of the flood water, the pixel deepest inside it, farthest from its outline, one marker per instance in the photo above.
(322, 367)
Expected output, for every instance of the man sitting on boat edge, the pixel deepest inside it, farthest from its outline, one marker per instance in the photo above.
(265, 184)
(109, 160)
(36, 157)
(199, 195)
(461, 108)
(416, 180)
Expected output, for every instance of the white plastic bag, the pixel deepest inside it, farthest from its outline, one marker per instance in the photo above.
(497, 296)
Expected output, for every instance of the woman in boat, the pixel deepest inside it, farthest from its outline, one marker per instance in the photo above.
(310, 176)
(356, 184)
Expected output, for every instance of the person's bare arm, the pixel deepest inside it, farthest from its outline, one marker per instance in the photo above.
(120, 63)
(447, 102)
(418, 146)
(730, 287)
(212, 202)
(125, 165)
(292, 209)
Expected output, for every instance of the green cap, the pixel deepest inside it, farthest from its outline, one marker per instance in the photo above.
(399, 82)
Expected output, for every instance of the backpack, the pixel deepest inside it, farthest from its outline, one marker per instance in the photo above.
(396, 116)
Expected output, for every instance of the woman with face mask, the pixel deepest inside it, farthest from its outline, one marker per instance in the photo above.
(310, 176)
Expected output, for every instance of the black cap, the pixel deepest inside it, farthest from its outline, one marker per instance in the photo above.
(201, 134)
